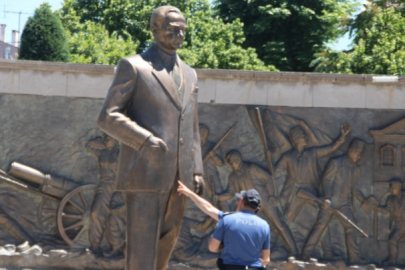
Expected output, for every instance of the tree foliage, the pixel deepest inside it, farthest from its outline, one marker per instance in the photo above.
(44, 38)
(379, 45)
(287, 33)
(209, 42)
(91, 43)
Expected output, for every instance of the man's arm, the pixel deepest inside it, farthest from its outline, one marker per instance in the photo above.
(323, 151)
(201, 203)
(265, 257)
(112, 119)
(214, 245)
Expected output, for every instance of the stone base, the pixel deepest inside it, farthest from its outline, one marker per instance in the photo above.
(296, 265)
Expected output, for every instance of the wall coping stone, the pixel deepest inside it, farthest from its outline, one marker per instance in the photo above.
(217, 74)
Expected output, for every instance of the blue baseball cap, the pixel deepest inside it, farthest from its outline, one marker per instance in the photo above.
(252, 196)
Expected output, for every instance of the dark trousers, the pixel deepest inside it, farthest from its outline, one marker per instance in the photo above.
(395, 235)
(315, 235)
(153, 223)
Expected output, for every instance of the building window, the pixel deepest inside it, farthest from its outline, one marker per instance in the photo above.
(403, 158)
(388, 156)
(7, 53)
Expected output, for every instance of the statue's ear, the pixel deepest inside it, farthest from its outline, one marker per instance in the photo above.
(154, 29)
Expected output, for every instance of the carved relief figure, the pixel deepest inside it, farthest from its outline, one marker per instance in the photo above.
(395, 206)
(301, 166)
(107, 153)
(212, 180)
(12, 227)
(247, 176)
(339, 182)
(192, 248)
(151, 108)
(115, 227)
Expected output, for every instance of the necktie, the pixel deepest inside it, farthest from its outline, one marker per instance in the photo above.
(176, 76)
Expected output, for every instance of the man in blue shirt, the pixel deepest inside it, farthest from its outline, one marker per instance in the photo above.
(245, 236)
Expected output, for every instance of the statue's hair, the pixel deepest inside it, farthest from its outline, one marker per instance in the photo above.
(160, 14)
(202, 126)
(357, 144)
(232, 154)
(296, 132)
(395, 182)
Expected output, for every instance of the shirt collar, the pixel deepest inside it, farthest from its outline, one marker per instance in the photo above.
(247, 211)
(167, 59)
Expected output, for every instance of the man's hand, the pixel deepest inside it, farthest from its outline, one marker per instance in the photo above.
(273, 200)
(326, 203)
(153, 141)
(199, 184)
(345, 129)
(183, 190)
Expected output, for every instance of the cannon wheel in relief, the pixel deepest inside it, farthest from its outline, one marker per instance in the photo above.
(73, 217)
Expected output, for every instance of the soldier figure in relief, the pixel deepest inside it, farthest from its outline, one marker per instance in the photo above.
(247, 176)
(395, 206)
(339, 182)
(300, 164)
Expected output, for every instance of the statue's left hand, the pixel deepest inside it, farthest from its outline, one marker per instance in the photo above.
(345, 129)
(199, 184)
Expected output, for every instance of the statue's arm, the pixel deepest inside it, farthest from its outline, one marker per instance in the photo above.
(326, 150)
(198, 165)
(112, 119)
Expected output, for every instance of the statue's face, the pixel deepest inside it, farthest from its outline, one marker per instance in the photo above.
(109, 142)
(354, 155)
(396, 190)
(171, 33)
(235, 162)
(301, 142)
(203, 134)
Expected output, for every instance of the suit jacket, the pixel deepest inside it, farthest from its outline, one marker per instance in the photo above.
(142, 101)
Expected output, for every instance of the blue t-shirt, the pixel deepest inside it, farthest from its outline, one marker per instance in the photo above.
(244, 235)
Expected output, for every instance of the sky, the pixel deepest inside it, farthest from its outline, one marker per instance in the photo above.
(27, 8)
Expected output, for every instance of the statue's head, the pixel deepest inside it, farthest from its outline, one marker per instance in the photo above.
(109, 141)
(168, 27)
(356, 148)
(298, 138)
(395, 187)
(234, 158)
(204, 132)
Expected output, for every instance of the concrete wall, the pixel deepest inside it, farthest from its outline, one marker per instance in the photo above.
(216, 86)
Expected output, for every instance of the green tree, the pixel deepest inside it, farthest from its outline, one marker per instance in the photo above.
(91, 43)
(209, 43)
(287, 33)
(379, 47)
(44, 38)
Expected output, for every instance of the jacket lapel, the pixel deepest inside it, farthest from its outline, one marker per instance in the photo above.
(164, 78)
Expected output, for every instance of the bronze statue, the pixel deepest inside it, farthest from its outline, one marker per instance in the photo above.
(106, 152)
(395, 206)
(151, 108)
(339, 183)
(300, 164)
(212, 181)
(247, 176)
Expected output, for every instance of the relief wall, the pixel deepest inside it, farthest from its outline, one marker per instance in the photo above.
(330, 178)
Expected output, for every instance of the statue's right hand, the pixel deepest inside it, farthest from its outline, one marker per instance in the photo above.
(326, 203)
(156, 142)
